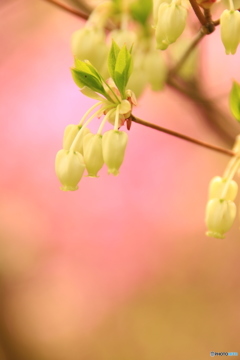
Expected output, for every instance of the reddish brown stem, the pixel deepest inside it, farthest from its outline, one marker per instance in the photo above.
(69, 9)
(183, 137)
(198, 12)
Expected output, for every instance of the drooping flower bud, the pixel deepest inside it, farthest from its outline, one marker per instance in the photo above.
(123, 37)
(170, 24)
(155, 69)
(138, 79)
(70, 134)
(100, 14)
(88, 43)
(230, 30)
(69, 168)
(220, 215)
(156, 4)
(92, 152)
(114, 144)
(218, 190)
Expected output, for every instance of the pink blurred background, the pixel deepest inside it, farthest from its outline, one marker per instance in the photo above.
(120, 269)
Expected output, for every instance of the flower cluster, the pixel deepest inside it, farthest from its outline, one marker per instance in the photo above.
(83, 149)
(221, 209)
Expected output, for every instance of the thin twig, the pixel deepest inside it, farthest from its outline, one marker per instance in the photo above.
(181, 136)
(198, 12)
(69, 9)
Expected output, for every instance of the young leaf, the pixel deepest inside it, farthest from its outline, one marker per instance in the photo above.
(112, 58)
(234, 100)
(82, 79)
(86, 66)
(123, 69)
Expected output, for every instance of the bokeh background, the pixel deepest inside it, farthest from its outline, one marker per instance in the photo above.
(120, 269)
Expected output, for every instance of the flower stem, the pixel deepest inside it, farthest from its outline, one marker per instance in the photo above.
(97, 113)
(100, 129)
(69, 9)
(88, 112)
(182, 136)
(198, 12)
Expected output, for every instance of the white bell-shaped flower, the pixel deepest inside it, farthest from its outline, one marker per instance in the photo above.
(220, 188)
(92, 153)
(230, 30)
(138, 79)
(220, 215)
(69, 168)
(114, 144)
(170, 23)
(88, 43)
(70, 134)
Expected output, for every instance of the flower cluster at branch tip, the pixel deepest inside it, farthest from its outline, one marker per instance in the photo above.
(221, 209)
(83, 149)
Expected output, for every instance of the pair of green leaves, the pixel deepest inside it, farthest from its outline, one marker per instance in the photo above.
(120, 66)
(234, 100)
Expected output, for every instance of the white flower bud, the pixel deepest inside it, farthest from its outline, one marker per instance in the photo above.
(220, 215)
(230, 30)
(156, 4)
(100, 14)
(70, 133)
(123, 37)
(155, 69)
(69, 168)
(89, 44)
(217, 189)
(114, 145)
(93, 157)
(170, 24)
(138, 79)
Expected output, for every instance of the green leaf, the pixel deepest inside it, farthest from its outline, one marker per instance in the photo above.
(141, 10)
(123, 69)
(85, 74)
(112, 58)
(85, 79)
(86, 66)
(234, 100)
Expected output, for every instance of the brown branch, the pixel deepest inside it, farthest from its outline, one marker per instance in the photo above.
(198, 12)
(69, 9)
(183, 137)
